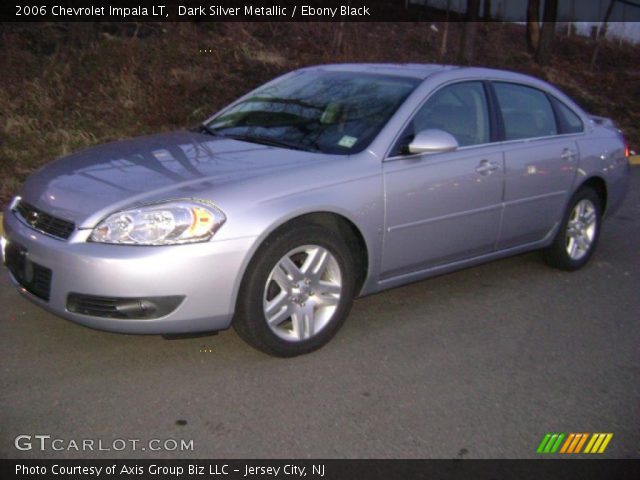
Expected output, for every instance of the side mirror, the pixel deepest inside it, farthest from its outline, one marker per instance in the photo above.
(433, 141)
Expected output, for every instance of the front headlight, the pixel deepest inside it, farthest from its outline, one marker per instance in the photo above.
(169, 223)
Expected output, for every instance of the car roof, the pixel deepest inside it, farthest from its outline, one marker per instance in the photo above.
(424, 70)
(414, 70)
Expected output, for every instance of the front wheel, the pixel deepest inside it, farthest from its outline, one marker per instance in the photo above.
(577, 238)
(296, 293)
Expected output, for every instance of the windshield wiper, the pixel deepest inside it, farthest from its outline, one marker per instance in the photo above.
(204, 129)
(268, 141)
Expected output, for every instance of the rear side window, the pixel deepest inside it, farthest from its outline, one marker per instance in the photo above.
(526, 111)
(568, 120)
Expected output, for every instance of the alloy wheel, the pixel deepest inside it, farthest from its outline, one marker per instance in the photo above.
(581, 229)
(302, 293)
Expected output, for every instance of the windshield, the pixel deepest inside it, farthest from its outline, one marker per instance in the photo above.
(329, 112)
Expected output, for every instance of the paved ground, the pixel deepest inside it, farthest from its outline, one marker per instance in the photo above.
(480, 363)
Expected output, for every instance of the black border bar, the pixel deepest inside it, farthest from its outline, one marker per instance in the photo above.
(288, 10)
(543, 469)
(207, 10)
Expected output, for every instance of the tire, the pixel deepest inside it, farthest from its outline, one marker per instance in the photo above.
(579, 232)
(297, 291)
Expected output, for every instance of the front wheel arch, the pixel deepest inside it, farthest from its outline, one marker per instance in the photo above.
(340, 224)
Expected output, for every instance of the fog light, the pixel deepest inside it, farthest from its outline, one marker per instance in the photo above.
(126, 308)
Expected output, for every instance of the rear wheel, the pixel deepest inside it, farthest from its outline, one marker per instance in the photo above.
(578, 235)
(297, 292)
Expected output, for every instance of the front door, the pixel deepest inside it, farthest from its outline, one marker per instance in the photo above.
(444, 207)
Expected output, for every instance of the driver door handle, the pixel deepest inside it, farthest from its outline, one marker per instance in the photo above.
(568, 154)
(485, 167)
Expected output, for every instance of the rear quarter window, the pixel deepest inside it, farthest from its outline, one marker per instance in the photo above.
(568, 120)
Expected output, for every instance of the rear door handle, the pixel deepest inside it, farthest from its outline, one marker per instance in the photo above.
(568, 154)
(485, 167)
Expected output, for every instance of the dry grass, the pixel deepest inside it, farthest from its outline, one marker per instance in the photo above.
(66, 87)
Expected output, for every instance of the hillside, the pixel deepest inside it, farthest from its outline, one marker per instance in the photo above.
(69, 86)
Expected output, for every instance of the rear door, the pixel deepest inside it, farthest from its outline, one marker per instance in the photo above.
(540, 163)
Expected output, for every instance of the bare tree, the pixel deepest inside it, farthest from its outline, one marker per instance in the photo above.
(533, 25)
(487, 10)
(572, 15)
(602, 33)
(467, 45)
(82, 34)
(336, 44)
(547, 33)
(445, 33)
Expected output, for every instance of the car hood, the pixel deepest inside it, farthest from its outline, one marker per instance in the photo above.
(89, 184)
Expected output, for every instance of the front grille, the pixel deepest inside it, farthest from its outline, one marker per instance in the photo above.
(34, 278)
(43, 222)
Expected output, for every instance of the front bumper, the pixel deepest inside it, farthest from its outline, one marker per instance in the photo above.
(207, 275)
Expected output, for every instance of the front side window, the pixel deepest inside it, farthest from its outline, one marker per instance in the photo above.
(459, 109)
(526, 111)
(329, 112)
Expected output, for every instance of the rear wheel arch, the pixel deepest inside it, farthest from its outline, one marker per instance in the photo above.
(578, 233)
(598, 185)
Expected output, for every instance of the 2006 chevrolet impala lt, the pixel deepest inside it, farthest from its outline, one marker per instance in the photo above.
(324, 184)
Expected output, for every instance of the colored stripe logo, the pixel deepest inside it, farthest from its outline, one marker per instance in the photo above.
(574, 443)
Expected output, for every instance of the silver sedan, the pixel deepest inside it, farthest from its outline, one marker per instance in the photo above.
(325, 184)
